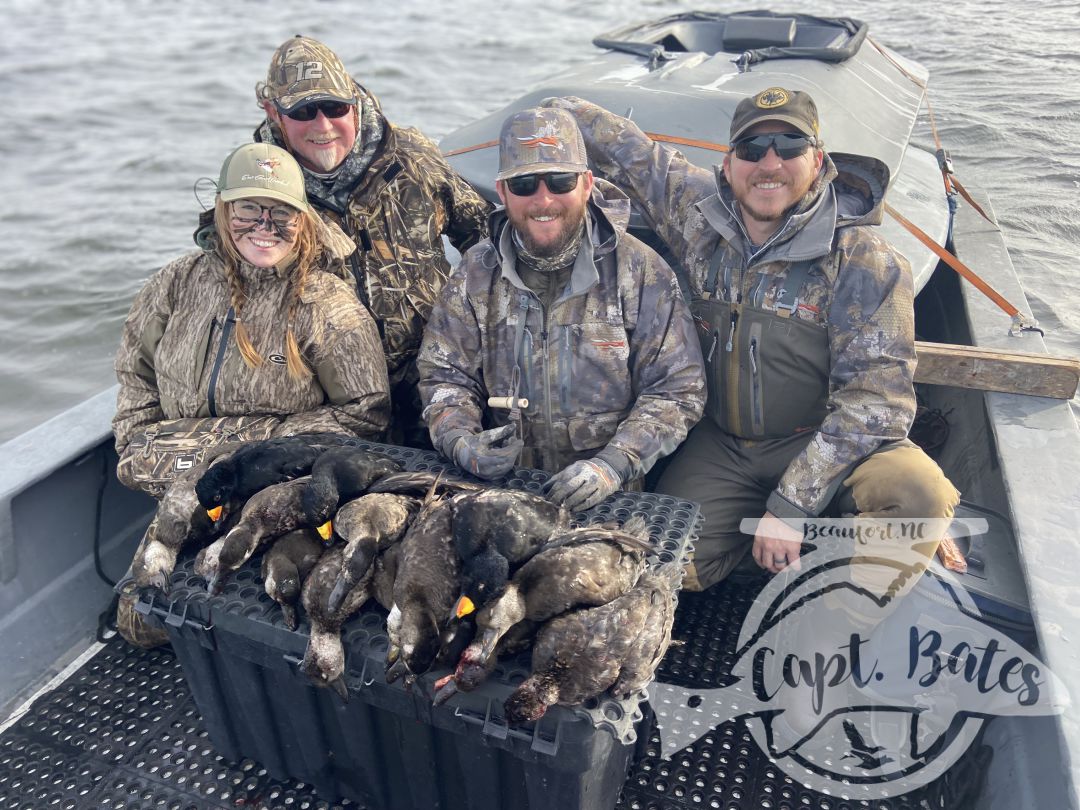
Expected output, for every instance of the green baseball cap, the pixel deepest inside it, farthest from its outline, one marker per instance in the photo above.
(262, 170)
(539, 141)
(792, 107)
(303, 70)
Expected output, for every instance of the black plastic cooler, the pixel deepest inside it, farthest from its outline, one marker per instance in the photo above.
(389, 747)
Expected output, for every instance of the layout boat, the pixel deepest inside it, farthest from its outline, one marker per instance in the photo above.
(1016, 458)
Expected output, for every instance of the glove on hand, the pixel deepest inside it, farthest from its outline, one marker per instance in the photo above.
(489, 454)
(583, 484)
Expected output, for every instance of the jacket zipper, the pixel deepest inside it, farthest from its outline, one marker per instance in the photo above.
(548, 426)
(223, 344)
(733, 372)
(756, 405)
(564, 371)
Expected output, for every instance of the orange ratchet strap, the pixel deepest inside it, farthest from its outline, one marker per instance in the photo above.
(1021, 323)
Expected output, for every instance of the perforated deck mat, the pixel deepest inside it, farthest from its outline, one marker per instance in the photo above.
(123, 733)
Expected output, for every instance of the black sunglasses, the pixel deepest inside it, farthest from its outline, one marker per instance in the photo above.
(788, 145)
(557, 182)
(331, 109)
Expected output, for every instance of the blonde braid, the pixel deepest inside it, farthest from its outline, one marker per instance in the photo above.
(307, 251)
(231, 259)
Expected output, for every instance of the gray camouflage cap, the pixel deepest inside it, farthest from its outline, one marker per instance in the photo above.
(792, 107)
(303, 70)
(262, 170)
(540, 140)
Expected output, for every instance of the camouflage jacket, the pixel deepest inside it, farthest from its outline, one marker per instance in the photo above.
(611, 369)
(859, 290)
(398, 210)
(178, 358)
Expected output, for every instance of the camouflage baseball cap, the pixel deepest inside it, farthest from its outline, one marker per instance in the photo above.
(539, 141)
(303, 70)
(262, 170)
(776, 104)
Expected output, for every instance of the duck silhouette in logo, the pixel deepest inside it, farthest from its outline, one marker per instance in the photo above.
(863, 752)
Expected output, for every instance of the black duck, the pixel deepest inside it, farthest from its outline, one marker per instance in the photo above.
(340, 475)
(367, 524)
(617, 645)
(285, 566)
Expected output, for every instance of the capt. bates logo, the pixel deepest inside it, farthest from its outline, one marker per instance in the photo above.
(852, 681)
(773, 97)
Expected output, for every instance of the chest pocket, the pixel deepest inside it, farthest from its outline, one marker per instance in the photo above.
(767, 372)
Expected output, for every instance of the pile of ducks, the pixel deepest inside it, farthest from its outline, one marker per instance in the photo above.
(467, 573)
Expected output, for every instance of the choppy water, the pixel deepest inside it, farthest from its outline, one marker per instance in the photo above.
(113, 109)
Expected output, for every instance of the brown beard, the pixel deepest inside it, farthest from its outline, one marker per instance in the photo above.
(568, 233)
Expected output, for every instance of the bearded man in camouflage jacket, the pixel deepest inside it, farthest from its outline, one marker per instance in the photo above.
(389, 189)
(806, 322)
(563, 308)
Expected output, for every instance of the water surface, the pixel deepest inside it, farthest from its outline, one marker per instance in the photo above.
(114, 109)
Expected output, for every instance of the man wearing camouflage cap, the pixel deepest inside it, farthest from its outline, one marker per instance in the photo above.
(806, 322)
(390, 190)
(561, 308)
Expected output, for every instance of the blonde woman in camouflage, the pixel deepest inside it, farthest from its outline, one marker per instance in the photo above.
(255, 323)
(251, 337)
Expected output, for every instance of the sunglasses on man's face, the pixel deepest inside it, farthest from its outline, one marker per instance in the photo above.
(331, 109)
(557, 183)
(788, 145)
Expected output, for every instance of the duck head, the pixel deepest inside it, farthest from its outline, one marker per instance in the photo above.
(214, 489)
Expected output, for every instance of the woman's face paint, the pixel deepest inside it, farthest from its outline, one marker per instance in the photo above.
(262, 242)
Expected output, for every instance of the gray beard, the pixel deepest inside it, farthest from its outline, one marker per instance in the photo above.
(326, 163)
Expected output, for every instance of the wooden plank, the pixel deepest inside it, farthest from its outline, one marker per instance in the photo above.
(1039, 375)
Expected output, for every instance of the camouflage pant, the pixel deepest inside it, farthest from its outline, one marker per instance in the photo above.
(731, 480)
(136, 628)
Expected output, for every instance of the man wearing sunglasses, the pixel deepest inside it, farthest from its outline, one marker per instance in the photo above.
(563, 308)
(806, 323)
(390, 190)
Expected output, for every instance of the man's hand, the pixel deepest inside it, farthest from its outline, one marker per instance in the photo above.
(776, 544)
(489, 454)
(583, 484)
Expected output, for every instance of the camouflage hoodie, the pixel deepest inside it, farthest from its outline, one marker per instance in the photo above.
(178, 357)
(398, 210)
(612, 368)
(859, 290)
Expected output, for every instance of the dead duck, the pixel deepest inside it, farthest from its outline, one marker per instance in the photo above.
(472, 668)
(425, 589)
(580, 654)
(324, 658)
(285, 566)
(366, 524)
(180, 521)
(268, 514)
(420, 482)
(339, 475)
(382, 581)
(577, 568)
(495, 532)
(257, 465)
